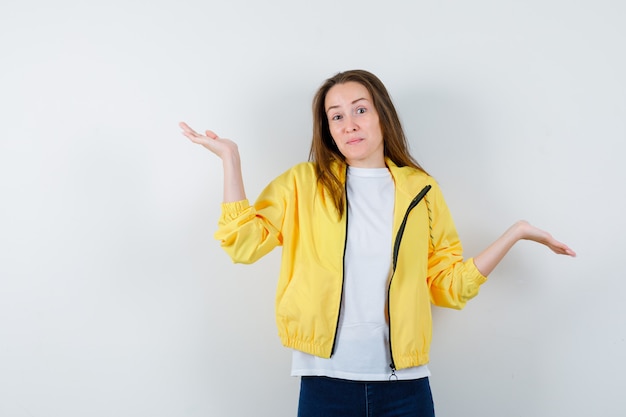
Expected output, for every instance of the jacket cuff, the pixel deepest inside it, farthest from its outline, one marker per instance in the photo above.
(232, 210)
(477, 276)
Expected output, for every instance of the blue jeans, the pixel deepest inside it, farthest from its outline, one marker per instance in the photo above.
(329, 397)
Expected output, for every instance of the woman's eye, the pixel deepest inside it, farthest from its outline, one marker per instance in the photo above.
(336, 117)
(361, 110)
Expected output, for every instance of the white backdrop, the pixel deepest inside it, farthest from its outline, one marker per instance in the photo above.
(116, 301)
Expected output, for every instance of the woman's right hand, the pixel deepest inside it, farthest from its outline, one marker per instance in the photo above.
(219, 146)
(229, 153)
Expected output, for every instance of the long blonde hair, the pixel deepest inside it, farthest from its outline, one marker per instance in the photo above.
(324, 152)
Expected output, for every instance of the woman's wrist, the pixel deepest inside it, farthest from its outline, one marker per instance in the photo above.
(519, 230)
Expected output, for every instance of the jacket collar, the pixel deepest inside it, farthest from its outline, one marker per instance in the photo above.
(408, 181)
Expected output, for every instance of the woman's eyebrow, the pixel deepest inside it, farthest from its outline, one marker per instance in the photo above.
(337, 106)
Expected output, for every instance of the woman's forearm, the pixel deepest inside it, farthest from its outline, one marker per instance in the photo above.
(489, 258)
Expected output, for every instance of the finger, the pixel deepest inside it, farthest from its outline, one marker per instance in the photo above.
(563, 249)
(194, 137)
(568, 251)
(184, 126)
(188, 130)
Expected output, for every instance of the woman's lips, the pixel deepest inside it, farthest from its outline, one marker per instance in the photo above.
(354, 141)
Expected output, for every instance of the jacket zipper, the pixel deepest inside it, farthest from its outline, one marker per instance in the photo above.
(396, 250)
(343, 275)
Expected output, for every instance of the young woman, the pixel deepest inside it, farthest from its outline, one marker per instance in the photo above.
(367, 244)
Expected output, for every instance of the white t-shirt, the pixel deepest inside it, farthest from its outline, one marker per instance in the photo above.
(362, 347)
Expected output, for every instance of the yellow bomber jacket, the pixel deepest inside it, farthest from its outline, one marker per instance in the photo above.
(293, 211)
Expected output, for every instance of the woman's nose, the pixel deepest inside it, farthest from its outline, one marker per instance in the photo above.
(350, 125)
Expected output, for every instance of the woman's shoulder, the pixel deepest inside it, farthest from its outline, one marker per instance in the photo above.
(303, 172)
(411, 173)
(302, 169)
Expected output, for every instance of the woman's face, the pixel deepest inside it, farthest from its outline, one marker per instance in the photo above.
(354, 125)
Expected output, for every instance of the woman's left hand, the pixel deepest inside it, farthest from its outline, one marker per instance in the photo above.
(527, 231)
(488, 259)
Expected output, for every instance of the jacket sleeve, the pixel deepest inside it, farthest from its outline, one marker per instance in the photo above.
(452, 280)
(248, 232)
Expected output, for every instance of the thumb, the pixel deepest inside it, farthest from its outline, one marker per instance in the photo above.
(211, 134)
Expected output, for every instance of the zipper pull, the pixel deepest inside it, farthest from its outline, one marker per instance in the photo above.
(393, 376)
